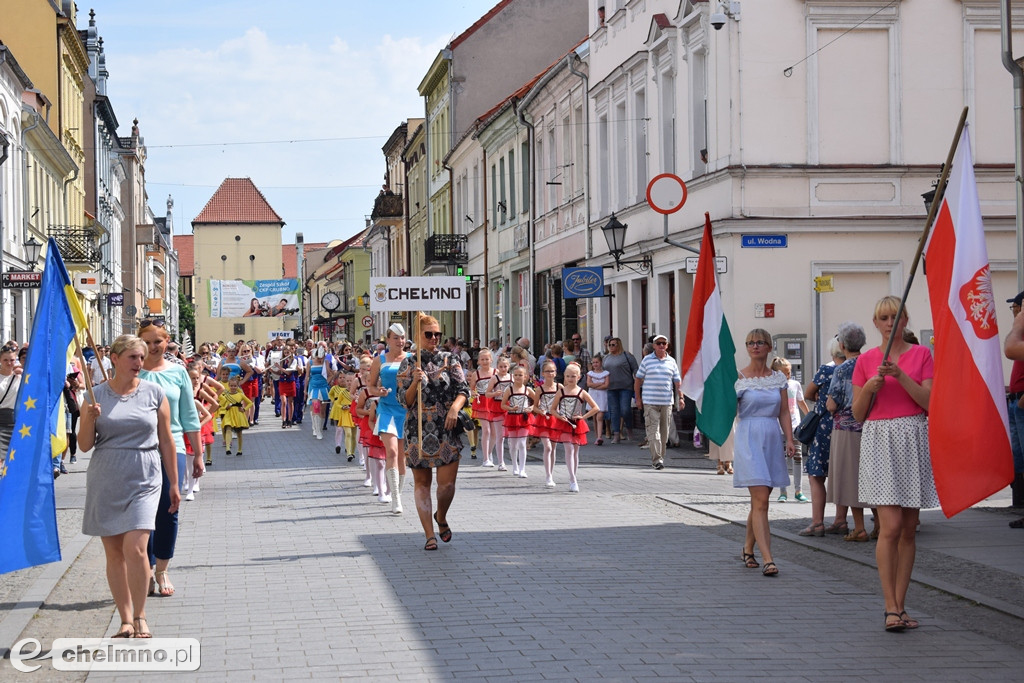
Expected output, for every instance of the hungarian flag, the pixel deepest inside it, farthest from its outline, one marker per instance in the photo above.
(968, 432)
(709, 355)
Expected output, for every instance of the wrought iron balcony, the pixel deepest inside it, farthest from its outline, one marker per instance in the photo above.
(446, 249)
(76, 245)
(388, 205)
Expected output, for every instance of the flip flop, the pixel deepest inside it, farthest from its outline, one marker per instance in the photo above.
(443, 530)
(123, 633)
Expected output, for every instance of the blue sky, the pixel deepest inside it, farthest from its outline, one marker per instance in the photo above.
(299, 96)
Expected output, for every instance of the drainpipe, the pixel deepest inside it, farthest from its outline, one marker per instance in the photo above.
(487, 267)
(26, 213)
(3, 305)
(1018, 130)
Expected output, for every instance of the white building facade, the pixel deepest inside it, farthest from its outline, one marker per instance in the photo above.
(811, 125)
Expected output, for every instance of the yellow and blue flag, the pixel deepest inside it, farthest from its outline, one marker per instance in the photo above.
(28, 510)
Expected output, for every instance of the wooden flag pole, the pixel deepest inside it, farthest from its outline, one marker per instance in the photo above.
(85, 371)
(419, 387)
(940, 191)
(103, 370)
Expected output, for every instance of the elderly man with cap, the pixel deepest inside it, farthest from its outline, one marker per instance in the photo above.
(655, 378)
(1014, 349)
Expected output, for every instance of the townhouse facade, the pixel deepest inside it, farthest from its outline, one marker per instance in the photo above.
(66, 174)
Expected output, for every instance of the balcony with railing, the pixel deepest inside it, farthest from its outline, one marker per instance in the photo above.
(76, 244)
(442, 250)
(388, 205)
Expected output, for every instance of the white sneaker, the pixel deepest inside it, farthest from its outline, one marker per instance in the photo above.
(384, 498)
(550, 483)
(195, 488)
(190, 496)
(320, 436)
(502, 468)
(368, 483)
(515, 473)
(574, 487)
(522, 474)
(487, 463)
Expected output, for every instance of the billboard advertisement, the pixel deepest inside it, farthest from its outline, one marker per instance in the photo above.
(253, 298)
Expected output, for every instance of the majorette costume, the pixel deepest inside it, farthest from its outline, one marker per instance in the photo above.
(540, 423)
(575, 430)
(517, 420)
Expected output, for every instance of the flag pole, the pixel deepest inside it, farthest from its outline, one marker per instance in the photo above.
(419, 388)
(940, 190)
(85, 371)
(103, 370)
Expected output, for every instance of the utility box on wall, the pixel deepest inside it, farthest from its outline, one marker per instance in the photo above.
(793, 347)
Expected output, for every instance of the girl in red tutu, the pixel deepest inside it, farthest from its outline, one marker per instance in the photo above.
(517, 402)
(500, 381)
(366, 409)
(540, 420)
(569, 420)
(483, 407)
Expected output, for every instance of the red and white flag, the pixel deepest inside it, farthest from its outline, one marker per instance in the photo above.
(968, 428)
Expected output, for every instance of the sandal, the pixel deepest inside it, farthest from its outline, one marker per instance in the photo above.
(770, 569)
(130, 633)
(166, 588)
(860, 536)
(153, 588)
(139, 631)
(895, 627)
(749, 560)
(443, 530)
(838, 528)
(721, 468)
(431, 544)
(907, 621)
(728, 468)
(813, 530)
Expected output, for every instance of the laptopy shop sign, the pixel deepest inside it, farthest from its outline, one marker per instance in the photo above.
(438, 293)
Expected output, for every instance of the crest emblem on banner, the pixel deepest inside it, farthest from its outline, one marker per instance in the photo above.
(979, 303)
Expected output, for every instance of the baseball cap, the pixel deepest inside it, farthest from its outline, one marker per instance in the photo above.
(1016, 301)
(659, 336)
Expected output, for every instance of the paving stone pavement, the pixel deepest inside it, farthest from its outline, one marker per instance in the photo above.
(287, 568)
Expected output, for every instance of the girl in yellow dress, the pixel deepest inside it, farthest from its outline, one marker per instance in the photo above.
(234, 409)
(341, 413)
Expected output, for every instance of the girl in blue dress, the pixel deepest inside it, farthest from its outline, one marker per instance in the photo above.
(390, 424)
(764, 439)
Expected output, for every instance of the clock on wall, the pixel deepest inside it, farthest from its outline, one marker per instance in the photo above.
(331, 301)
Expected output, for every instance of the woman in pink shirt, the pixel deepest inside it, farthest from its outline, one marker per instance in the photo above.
(891, 398)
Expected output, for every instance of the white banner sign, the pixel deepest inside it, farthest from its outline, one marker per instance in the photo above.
(280, 334)
(434, 293)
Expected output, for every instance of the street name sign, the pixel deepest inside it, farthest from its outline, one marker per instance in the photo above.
(764, 241)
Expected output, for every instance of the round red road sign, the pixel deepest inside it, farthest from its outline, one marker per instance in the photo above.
(666, 193)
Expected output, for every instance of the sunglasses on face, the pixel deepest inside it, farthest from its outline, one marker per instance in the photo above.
(432, 335)
(146, 323)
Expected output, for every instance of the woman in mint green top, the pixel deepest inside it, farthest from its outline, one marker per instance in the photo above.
(177, 386)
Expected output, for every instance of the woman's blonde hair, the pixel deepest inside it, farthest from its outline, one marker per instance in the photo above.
(425, 319)
(888, 305)
(758, 333)
(159, 328)
(779, 363)
(126, 342)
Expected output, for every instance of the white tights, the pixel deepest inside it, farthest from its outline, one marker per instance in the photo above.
(549, 457)
(517, 451)
(572, 460)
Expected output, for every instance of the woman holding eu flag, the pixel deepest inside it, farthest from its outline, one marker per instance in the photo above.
(130, 426)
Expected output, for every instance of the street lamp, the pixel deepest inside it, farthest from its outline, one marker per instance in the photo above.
(615, 235)
(145, 310)
(32, 248)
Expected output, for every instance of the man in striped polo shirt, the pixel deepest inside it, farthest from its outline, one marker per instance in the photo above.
(657, 374)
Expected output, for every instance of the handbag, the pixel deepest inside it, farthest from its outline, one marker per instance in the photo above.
(808, 427)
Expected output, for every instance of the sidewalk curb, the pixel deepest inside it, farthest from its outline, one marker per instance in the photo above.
(918, 578)
(21, 615)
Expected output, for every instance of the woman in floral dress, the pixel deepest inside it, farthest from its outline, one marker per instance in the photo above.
(444, 393)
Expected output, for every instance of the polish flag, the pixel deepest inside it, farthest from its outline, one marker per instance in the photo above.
(968, 427)
(709, 355)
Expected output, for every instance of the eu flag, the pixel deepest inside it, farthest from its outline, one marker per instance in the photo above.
(28, 510)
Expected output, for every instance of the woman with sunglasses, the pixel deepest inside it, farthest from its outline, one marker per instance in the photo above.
(177, 386)
(441, 381)
(763, 441)
(621, 366)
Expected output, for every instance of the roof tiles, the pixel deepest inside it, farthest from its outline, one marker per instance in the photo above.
(237, 200)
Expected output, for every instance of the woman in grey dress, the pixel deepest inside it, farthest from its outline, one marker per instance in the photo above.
(130, 427)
